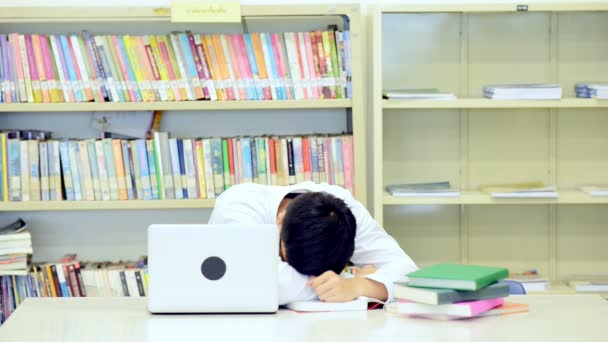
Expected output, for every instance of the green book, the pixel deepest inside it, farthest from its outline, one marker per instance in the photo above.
(457, 276)
(447, 296)
(226, 164)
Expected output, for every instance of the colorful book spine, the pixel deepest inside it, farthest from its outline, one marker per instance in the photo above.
(298, 159)
(121, 178)
(67, 172)
(209, 169)
(201, 168)
(136, 170)
(294, 65)
(161, 68)
(338, 160)
(74, 161)
(190, 166)
(44, 172)
(126, 162)
(247, 160)
(183, 44)
(39, 62)
(176, 54)
(25, 173)
(306, 158)
(144, 169)
(5, 167)
(127, 72)
(175, 169)
(55, 90)
(155, 179)
(30, 69)
(177, 83)
(110, 164)
(196, 60)
(88, 191)
(303, 59)
(261, 64)
(347, 155)
(63, 74)
(97, 64)
(104, 179)
(182, 167)
(72, 70)
(120, 81)
(80, 69)
(20, 73)
(208, 75)
(226, 164)
(150, 77)
(90, 69)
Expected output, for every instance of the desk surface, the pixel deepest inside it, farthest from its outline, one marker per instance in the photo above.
(551, 318)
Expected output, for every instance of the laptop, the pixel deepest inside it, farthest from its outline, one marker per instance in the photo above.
(206, 268)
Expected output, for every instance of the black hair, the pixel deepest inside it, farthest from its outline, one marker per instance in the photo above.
(318, 232)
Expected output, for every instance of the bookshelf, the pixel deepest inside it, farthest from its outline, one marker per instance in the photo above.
(129, 219)
(473, 141)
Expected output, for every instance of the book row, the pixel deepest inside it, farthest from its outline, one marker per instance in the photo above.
(166, 167)
(181, 66)
(71, 280)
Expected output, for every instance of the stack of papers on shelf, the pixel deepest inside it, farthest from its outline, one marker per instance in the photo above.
(15, 248)
(595, 190)
(590, 90)
(523, 92)
(531, 281)
(520, 190)
(436, 189)
(590, 286)
(417, 94)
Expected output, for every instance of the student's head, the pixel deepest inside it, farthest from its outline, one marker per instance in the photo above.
(317, 233)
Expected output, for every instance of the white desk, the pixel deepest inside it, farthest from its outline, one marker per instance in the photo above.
(551, 318)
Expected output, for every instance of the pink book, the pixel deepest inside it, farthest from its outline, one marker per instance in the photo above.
(301, 56)
(207, 71)
(123, 68)
(236, 64)
(198, 65)
(250, 87)
(19, 66)
(42, 76)
(312, 71)
(462, 309)
(328, 162)
(347, 159)
(279, 54)
(31, 60)
(48, 69)
(285, 64)
(164, 53)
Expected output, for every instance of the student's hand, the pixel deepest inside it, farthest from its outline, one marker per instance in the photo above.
(330, 287)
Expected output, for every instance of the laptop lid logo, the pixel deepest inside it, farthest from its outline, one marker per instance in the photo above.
(213, 268)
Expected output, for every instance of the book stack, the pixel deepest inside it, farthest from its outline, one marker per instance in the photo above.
(591, 90)
(417, 94)
(436, 189)
(165, 167)
(15, 248)
(595, 190)
(520, 190)
(523, 92)
(446, 291)
(70, 278)
(181, 66)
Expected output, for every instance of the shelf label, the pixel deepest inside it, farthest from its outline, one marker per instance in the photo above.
(522, 8)
(192, 11)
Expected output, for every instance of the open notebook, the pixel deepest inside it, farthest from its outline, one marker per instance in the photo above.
(359, 304)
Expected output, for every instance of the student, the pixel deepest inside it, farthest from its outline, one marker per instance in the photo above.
(322, 227)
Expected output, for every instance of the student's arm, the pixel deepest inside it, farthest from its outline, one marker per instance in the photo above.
(373, 246)
(293, 286)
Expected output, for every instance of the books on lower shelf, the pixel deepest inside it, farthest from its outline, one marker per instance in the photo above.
(180, 66)
(595, 190)
(70, 278)
(592, 90)
(417, 94)
(520, 190)
(529, 91)
(435, 189)
(449, 291)
(165, 167)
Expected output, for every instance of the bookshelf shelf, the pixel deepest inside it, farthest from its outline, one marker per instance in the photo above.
(106, 205)
(177, 106)
(472, 103)
(477, 198)
(459, 48)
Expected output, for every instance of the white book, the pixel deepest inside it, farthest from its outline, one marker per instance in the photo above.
(85, 172)
(190, 170)
(595, 190)
(139, 194)
(44, 172)
(104, 181)
(34, 169)
(208, 168)
(75, 169)
(266, 50)
(320, 306)
(294, 66)
(65, 85)
(184, 83)
(110, 81)
(86, 82)
(57, 189)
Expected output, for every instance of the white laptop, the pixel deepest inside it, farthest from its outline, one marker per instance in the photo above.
(200, 268)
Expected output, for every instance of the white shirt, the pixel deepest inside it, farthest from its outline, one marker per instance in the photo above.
(254, 203)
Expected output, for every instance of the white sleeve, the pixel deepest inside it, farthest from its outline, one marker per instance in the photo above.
(293, 286)
(373, 246)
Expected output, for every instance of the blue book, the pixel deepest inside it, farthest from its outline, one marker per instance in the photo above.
(14, 168)
(144, 171)
(314, 160)
(128, 170)
(340, 171)
(247, 163)
(182, 167)
(74, 165)
(280, 86)
(94, 169)
(111, 168)
(71, 65)
(217, 165)
(189, 65)
(175, 171)
(67, 172)
(154, 186)
(258, 91)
